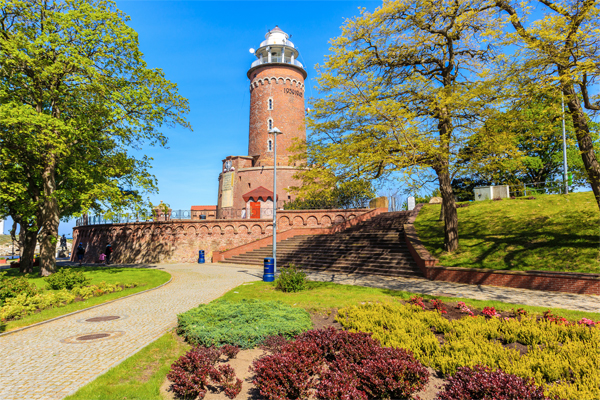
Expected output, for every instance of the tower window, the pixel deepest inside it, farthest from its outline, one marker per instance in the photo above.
(270, 145)
(270, 106)
(270, 123)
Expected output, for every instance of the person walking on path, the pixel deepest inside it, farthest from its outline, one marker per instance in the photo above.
(107, 252)
(80, 253)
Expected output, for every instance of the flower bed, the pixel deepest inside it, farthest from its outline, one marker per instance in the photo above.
(19, 298)
(562, 357)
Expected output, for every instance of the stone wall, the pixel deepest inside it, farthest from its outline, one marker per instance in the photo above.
(180, 240)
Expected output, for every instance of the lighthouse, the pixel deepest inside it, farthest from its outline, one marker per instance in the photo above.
(276, 100)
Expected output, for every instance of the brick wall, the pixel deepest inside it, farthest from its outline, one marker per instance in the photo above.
(180, 240)
(285, 86)
(537, 280)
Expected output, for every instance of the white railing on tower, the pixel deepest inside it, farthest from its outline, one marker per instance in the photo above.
(278, 59)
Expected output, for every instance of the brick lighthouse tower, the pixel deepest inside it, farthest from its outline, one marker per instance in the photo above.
(276, 100)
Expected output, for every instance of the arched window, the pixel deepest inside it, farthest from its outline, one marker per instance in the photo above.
(270, 145)
(270, 124)
(270, 104)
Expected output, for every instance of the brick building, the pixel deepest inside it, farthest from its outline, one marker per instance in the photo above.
(204, 212)
(276, 100)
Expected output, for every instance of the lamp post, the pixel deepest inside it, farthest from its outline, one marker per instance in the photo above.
(565, 170)
(274, 132)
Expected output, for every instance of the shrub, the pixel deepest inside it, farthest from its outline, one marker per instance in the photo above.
(338, 365)
(490, 312)
(67, 278)
(194, 372)
(417, 301)
(563, 359)
(230, 351)
(13, 286)
(464, 308)
(245, 324)
(274, 344)
(440, 306)
(291, 279)
(481, 382)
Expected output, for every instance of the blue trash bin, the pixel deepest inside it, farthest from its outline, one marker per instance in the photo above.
(269, 275)
(201, 257)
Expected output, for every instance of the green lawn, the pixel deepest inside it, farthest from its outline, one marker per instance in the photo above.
(139, 377)
(551, 233)
(145, 278)
(323, 296)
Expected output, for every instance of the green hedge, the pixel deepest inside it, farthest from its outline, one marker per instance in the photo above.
(245, 324)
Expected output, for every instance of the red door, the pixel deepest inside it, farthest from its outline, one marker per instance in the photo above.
(255, 210)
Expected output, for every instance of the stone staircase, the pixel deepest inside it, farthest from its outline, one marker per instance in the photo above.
(375, 246)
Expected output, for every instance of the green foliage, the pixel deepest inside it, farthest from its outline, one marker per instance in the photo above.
(333, 194)
(291, 279)
(245, 324)
(550, 232)
(13, 286)
(75, 96)
(563, 358)
(25, 304)
(67, 278)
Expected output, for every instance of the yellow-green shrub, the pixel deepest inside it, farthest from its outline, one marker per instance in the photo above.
(565, 359)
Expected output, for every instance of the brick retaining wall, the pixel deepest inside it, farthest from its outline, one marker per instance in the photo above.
(538, 280)
(180, 240)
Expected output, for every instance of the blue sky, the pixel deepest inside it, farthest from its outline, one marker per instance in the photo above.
(203, 47)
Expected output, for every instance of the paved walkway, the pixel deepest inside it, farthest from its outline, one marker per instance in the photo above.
(40, 363)
(480, 292)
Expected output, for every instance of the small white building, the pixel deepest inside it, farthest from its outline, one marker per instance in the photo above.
(491, 192)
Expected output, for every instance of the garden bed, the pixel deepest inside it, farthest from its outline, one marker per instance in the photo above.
(102, 284)
(323, 300)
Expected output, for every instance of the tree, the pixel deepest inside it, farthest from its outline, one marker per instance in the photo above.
(75, 88)
(402, 92)
(531, 132)
(333, 194)
(561, 50)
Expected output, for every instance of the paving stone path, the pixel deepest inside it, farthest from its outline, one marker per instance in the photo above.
(38, 363)
(480, 292)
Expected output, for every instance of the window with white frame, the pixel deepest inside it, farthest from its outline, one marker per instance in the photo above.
(270, 124)
(270, 145)
(270, 104)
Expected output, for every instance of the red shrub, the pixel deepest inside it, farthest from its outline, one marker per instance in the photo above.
(482, 383)
(548, 316)
(193, 372)
(284, 376)
(490, 312)
(351, 366)
(417, 301)
(274, 344)
(230, 351)
(440, 306)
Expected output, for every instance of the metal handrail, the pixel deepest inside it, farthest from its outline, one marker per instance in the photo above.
(277, 59)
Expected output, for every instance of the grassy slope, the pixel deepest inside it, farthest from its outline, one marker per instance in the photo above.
(139, 377)
(551, 233)
(145, 278)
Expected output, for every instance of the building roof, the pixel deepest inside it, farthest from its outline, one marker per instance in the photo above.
(204, 208)
(260, 191)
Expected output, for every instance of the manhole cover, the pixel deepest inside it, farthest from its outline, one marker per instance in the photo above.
(94, 336)
(102, 319)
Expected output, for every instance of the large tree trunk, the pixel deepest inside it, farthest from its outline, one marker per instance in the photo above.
(28, 241)
(50, 221)
(449, 211)
(584, 140)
